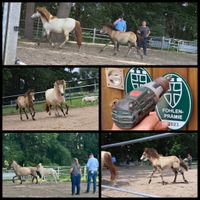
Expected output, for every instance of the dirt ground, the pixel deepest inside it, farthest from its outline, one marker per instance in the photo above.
(32, 54)
(85, 118)
(136, 179)
(44, 190)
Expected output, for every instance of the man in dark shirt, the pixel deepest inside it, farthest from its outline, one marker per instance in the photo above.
(144, 32)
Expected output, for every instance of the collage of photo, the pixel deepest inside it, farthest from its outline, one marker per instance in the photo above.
(99, 100)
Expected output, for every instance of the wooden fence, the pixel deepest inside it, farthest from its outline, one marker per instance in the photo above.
(109, 94)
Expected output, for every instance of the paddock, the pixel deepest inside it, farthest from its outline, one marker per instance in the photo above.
(62, 189)
(32, 54)
(135, 178)
(85, 118)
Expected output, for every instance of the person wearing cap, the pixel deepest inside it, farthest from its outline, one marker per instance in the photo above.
(120, 24)
(92, 169)
(144, 32)
(75, 172)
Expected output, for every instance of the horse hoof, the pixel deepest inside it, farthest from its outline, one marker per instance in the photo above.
(164, 183)
(186, 181)
(149, 181)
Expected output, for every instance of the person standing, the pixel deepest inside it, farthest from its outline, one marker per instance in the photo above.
(189, 157)
(144, 33)
(92, 169)
(120, 24)
(75, 172)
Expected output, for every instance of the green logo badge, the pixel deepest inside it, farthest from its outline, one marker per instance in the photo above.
(136, 77)
(175, 106)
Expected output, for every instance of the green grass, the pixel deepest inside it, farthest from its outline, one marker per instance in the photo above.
(39, 107)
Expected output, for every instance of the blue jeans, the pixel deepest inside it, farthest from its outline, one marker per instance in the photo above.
(94, 177)
(76, 181)
(143, 44)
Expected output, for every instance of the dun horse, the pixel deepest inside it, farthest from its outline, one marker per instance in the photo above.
(23, 171)
(118, 38)
(160, 163)
(47, 172)
(55, 97)
(106, 161)
(24, 102)
(53, 24)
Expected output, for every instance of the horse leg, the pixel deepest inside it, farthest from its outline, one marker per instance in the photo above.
(20, 111)
(20, 179)
(49, 38)
(105, 46)
(154, 170)
(25, 113)
(161, 175)
(129, 50)
(175, 172)
(138, 50)
(182, 173)
(62, 110)
(118, 46)
(66, 39)
(32, 114)
(67, 108)
(115, 48)
(13, 179)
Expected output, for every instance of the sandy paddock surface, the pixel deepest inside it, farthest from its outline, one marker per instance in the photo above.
(32, 54)
(85, 118)
(136, 179)
(44, 190)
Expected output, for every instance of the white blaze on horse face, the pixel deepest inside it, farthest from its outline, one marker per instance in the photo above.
(35, 15)
(61, 89)
(33, 96)
(143, 157)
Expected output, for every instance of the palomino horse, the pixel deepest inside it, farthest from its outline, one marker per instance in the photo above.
(46, 172)
(106, 161)
(23, 171)
(24, 102)
(118, 38)
(53, 24)
(160, 163)
(55, 97)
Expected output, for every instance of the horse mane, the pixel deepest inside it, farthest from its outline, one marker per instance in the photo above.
(111, 26)
(151, 152)
(45, 13)
(61, 82)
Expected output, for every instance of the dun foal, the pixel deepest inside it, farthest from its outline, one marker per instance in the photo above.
(160, 163)
(24, 102)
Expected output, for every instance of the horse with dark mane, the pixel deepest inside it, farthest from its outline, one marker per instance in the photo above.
(24, 102)
(160, 163)
(106, 161)
(118, 38)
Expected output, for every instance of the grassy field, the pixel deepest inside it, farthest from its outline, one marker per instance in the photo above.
(39, 107)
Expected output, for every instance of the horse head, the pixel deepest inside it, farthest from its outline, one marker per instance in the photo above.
(13, 164)
(41, 12)
(107, 28)
(60, 85)
(149, 153)
(30, 94)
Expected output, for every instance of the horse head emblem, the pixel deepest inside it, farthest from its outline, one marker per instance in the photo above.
(174, 94)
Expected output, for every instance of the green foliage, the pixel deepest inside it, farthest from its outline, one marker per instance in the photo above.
(29, 149)
(179, 145)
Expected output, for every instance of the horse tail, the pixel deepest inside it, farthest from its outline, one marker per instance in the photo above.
(182, 164)
(78, 33)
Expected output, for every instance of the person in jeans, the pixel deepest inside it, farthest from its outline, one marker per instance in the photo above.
(75, 172)
(144, 32)
(92, 169)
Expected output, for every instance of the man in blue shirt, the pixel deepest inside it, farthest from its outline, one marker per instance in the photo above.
(92, 168)
(120, 24)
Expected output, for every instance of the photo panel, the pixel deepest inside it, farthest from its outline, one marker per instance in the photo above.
(56, 165)
(150, 98)
(149, 165)
(50, 98)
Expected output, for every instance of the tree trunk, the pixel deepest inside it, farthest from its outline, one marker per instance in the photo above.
(63, 12)
(30, 7)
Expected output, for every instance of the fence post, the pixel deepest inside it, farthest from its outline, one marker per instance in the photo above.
(162, 44)
(94, 35)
